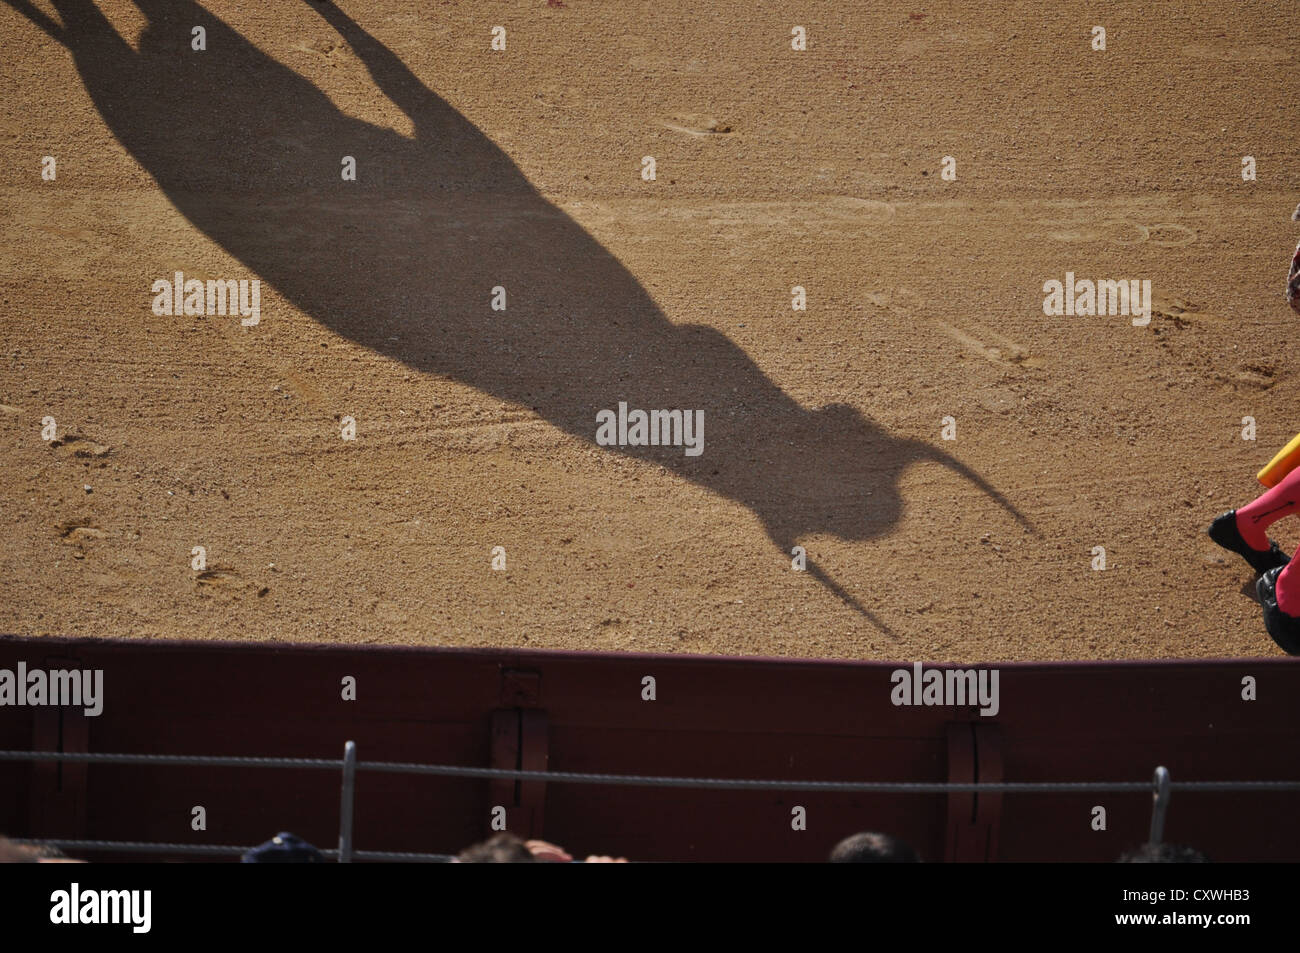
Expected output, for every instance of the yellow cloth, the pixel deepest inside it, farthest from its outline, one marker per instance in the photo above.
(1287, 459)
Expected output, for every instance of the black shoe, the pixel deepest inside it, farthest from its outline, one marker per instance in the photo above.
(1282, 628)
(1224, 532)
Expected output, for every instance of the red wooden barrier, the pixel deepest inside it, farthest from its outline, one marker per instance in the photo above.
(712, 717)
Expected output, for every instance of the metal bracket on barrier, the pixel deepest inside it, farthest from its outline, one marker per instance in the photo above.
(519, 742)
(346, 801)
(1159, 804)
(974, 757)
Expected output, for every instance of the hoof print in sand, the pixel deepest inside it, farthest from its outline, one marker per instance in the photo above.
(217, 576)
(694, 125)
(78, 532)
(80, 446)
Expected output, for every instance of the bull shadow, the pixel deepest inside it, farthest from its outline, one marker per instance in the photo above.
(404, 259)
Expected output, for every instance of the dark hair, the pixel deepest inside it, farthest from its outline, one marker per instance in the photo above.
(1163, 854)
(872, 848)
(283, 848)
(504, 848)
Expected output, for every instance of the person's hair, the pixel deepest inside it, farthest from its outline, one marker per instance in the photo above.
(47, 852)
(11, 853)
(1163, 854)
(873, 848)
(283, 848)
(504, 848)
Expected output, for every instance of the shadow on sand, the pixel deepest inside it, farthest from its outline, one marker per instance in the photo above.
(249, 151)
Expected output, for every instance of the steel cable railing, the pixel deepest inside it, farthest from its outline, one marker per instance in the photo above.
(1161, 787)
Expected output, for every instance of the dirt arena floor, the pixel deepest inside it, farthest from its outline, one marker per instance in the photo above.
(521, 169)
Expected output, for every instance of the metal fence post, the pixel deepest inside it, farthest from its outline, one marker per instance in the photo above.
(345, 805)
(1159, 804)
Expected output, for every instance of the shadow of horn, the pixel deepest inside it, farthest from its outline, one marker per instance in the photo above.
(959, 468)
(840, 593)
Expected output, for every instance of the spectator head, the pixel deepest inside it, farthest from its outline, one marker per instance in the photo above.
(1164, 854)
(283, 848)
(11, 853)
(872, 848)
(51, 854)
(503, 848)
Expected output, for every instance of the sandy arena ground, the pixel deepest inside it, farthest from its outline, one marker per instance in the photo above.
(521, 168)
